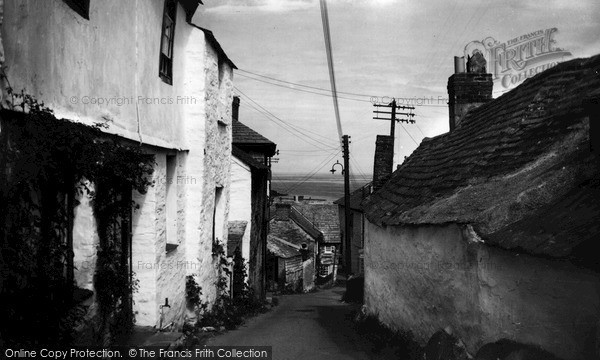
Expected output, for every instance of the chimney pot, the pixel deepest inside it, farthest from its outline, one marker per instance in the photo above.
(468, 88)
(459, 64)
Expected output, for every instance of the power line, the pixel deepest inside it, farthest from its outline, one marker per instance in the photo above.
(290, 128)
(297, 84)
(302, 90)
(297, 128)
(283, 127)
(412, 138)
(311, 174)
(324, 94)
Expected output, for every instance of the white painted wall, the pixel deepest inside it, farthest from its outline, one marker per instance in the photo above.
(241, 200)
(426, 278)
(72, 64)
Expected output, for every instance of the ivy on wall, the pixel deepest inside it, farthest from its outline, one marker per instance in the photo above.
(45, 164)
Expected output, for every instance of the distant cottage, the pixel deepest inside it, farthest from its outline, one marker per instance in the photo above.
(490, 228)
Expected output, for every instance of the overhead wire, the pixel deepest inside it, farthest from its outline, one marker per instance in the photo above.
(325, 94)
(295, 131)
(311, 174)
(285, 128)
(298, 128)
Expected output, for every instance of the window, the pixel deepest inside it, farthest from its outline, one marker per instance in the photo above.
(166, 42)
(82, 7)
(328, 249)
(323, 270)
(218, 217)
(171, 202)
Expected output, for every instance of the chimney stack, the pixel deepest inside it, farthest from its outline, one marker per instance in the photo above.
(235, 108)
(282, 211)
(468, 89)
(384, 160)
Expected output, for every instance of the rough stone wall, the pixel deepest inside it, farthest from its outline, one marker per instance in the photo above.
(161, 275)
(218, 96)
(426, 278)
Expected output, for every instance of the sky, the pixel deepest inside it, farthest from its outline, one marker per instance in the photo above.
(381, 49)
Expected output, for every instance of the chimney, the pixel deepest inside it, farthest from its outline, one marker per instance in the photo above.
(384, 160)
(235, 108)
(468, 88)
(282, 211)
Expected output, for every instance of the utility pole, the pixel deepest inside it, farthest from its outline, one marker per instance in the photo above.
(393, 113)
(347, 210)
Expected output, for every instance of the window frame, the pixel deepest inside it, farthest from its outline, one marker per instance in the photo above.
(165, 63)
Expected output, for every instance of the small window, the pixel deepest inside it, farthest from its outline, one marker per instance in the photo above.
(218, 217)
(166, 42)
(171, 203)
(82, 7)
(328, 249)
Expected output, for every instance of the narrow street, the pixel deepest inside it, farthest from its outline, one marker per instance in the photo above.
(306, 326)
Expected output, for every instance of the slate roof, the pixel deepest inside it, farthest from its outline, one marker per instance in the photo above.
(324, 217)
(247, 158)
(519, 159)
(290, 231)
(281, 248)
(356, 197)
(246, 138)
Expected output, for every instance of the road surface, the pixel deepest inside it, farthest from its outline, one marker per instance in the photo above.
(306, 326)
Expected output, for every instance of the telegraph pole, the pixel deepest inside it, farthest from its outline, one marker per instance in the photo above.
(347, 210)
(393, 113)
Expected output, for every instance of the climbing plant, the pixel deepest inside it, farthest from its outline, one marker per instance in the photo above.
(235, 300)
(45, 165)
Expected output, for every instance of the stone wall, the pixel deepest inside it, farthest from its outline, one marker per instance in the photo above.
(217, 119)
(161, 273)
(429, 277)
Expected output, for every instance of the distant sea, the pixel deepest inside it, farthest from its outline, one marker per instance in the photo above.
(329, 187)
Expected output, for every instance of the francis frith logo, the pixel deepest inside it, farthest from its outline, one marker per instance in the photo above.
(522, 57)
